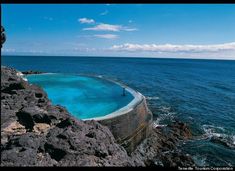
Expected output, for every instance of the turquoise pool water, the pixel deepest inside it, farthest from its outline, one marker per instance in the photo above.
(84, 97)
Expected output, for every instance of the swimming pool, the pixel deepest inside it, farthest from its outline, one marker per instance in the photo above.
(83, 96)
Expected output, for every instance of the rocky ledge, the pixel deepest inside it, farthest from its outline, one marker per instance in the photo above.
(36, 133)
(31, 72)
(160, 148)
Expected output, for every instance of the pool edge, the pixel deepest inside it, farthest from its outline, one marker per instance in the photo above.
(131, 124)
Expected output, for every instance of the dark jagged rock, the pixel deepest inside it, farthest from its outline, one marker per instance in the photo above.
(10, 81)
(180, 129)
(3, 36)
(36, 133)
(225, 141)
(31, 72)
(25, 119)
(160, 149)
(65, 123)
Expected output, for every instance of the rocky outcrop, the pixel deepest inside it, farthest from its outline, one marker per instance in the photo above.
(36, 133)
(31, 72)
(160, 148)
(3, 36)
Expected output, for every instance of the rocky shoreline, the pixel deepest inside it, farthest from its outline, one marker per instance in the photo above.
(36, 133)
(32, 72)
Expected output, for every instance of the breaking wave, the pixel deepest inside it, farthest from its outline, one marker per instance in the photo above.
(152, 98)
(217, 135)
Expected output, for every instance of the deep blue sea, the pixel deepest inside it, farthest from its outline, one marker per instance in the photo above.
(198, 92)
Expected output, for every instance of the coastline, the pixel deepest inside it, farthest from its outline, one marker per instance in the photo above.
(36, 119)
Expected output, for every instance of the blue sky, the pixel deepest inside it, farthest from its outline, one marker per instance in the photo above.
(145, 30)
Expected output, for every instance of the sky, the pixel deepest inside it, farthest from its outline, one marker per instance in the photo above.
(205, 31)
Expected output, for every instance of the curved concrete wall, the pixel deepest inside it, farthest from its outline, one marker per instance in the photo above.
(132, 127)
(130, 124)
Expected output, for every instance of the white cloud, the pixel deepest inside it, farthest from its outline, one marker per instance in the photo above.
(105, 12)
(85, 49)
(86, 20)
(75, 44)
(130, 21)
(175, 48)
(48, 18)
(21, 51)
(104, 27)
(8, 50)
(34, 51)
(109, 27)
(106, 36)
(129, 29)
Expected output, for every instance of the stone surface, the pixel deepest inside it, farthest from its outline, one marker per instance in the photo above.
(41, 128)
(160, 148)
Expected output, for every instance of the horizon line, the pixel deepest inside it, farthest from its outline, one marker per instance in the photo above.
(92, 56)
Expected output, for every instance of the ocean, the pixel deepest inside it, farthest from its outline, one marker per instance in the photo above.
(198, 92)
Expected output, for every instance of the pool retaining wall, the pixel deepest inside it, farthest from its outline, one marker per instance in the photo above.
(131, 128)
(130, 124)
